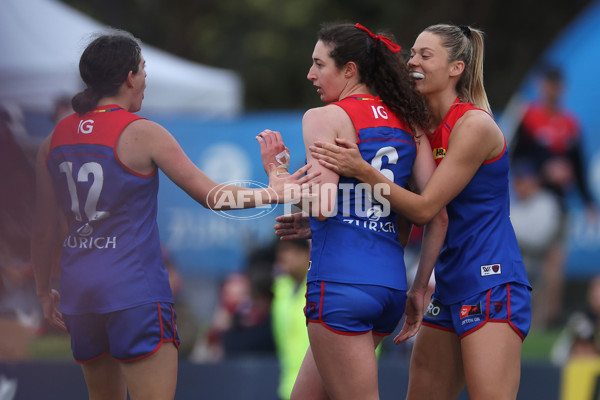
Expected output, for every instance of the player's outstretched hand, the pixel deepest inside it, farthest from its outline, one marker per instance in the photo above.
(293, 226)
(273, 151)
(293, 188)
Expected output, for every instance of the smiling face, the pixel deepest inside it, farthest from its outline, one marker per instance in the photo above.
(429, 58)
(325, 75)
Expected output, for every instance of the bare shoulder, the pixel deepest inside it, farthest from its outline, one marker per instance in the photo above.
(329, 113)
(142, 143)
(144, 131)
(479, 128)
(477, 120)
(145, 126)
(327, 121)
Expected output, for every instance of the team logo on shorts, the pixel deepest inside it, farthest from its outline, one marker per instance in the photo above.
(492, 269)
(467, 310)
(310, 308)
(498, 306)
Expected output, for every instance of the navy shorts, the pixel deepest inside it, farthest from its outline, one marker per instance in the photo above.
(127, 335)
(351, 309)
(509, 303)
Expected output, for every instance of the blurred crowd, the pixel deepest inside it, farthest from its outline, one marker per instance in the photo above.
(258, 310)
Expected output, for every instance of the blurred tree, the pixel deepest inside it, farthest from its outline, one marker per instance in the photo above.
(269, 42)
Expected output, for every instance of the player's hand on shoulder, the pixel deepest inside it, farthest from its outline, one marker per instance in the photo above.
(343, 157)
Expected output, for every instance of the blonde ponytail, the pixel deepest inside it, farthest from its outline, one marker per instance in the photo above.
(465, 44)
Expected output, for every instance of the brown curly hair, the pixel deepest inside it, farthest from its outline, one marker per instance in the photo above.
(383, 71)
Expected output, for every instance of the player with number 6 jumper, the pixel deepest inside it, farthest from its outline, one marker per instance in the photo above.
(356, 285)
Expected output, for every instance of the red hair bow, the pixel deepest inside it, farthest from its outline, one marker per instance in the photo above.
(394, 48)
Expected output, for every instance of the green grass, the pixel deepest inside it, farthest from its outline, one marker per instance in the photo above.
(51, 347)
(538, 344)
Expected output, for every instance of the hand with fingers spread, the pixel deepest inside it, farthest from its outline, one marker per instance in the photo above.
(293, 226)
(50, 302)
(273, 151)
(344, 158)
(292, 188)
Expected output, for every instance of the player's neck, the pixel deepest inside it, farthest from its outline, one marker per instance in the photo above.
(439, 104)
(359, 88)
(118, 100)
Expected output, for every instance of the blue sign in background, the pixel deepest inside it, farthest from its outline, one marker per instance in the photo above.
(205, 242)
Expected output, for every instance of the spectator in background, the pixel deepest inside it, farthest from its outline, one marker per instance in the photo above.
(241, 323)
(289, 323)
(535, 214)
(234, 299)
(581, 335)
(250, 332)
(549, 136)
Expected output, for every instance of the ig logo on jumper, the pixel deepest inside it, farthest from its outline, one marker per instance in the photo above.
(86, 126)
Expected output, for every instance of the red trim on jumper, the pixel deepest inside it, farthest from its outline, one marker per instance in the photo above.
(434, 326)
(131, 171)
(499, 156)
(125, 167)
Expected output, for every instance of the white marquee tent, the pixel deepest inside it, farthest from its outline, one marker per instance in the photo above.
(42, 40)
